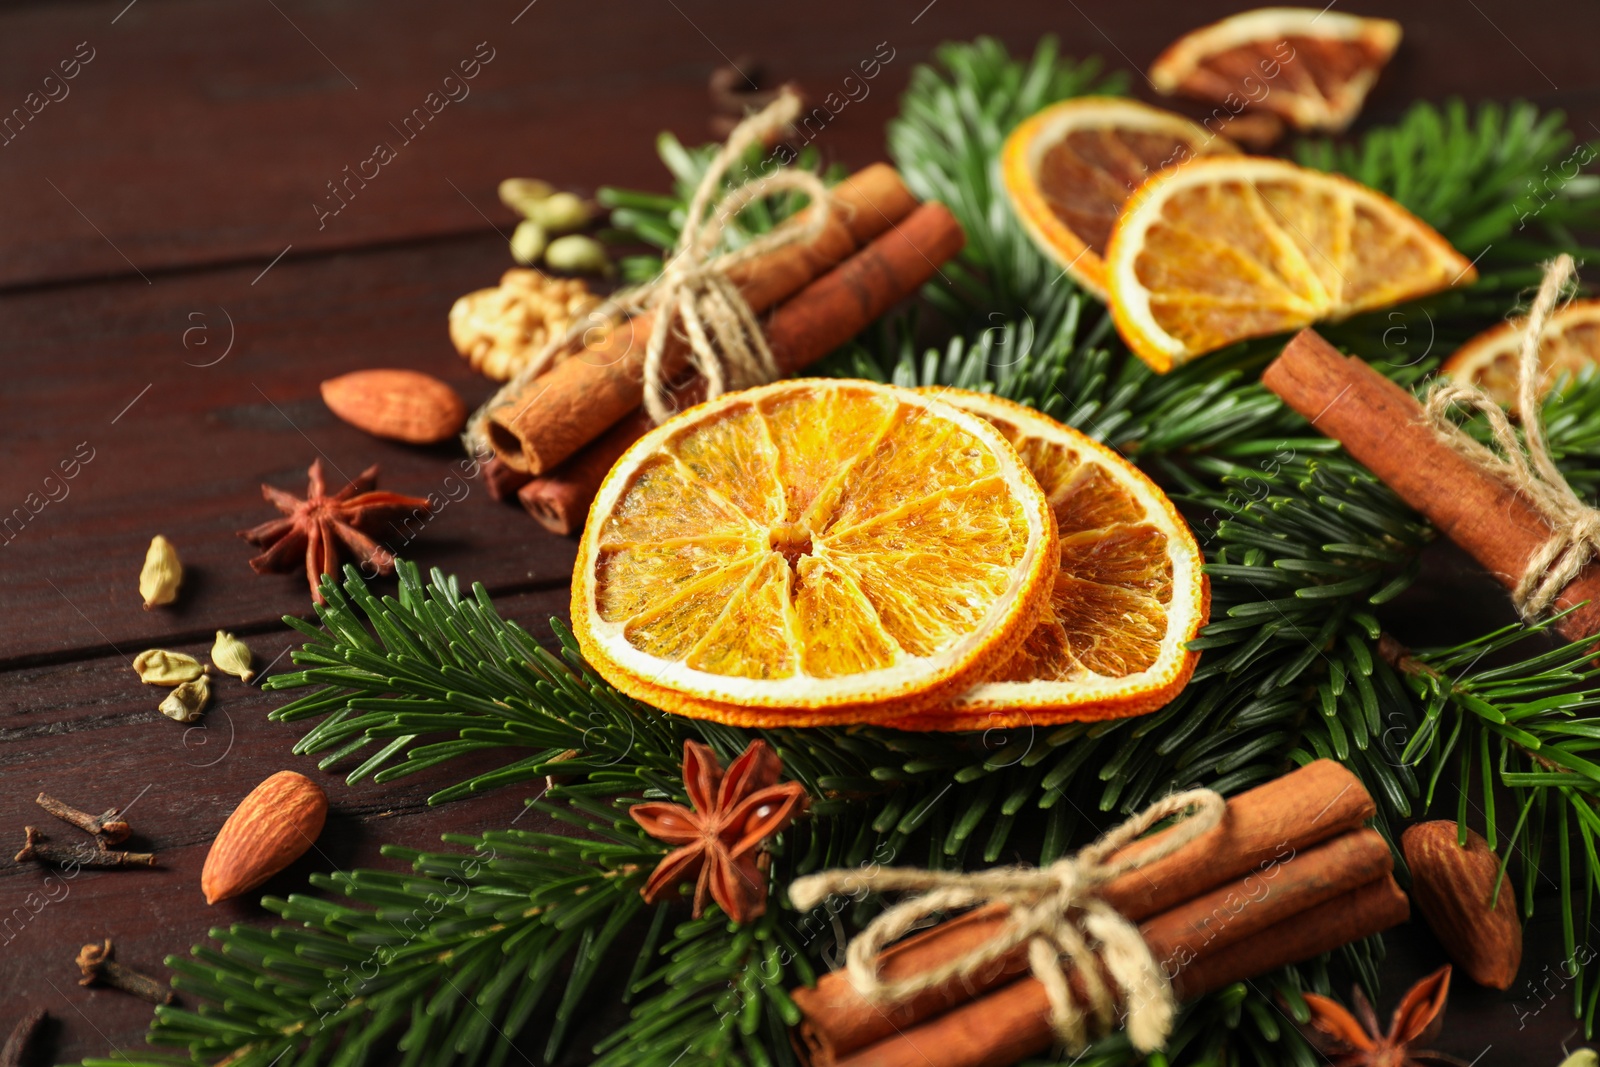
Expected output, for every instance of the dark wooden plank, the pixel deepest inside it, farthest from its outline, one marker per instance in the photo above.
(188, 457)
(88, 733)
(223, 125)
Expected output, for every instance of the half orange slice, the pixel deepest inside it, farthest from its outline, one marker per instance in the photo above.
(812, 551)
(1130, 594)
(1229, 248)
(1312, 67)
(1069, 169)
(1571, 342)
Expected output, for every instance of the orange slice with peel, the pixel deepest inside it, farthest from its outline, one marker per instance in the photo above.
(1312, 67)
(1129, 596)
(1571, 341)
(1069, 169)
(812, 551)
(1233, 247)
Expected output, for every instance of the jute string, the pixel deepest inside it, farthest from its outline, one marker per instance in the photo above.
(1055, 911)
(1525, 464)
(726, 344)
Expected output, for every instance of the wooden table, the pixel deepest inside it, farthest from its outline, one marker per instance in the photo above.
(174, 284)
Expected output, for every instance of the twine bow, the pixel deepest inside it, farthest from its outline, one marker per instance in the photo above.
(726, 343)
(1525, 464)
(1055, 911)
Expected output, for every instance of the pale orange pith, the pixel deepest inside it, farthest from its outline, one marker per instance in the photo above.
(1571, 342)
(1226, 249)
(813, 551)
(1129, 595)
(1068, 170)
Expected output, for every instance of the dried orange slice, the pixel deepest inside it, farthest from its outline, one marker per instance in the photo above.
(812, 551)
(1571, 342)
(1314, 68)
(1069, 168)
(1129, 596)
(1233, 247)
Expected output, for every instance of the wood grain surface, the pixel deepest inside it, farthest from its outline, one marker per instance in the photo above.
(171, 294)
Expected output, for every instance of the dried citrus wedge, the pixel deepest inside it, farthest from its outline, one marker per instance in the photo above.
(1069, 168)
(812, 551)
(1571, 342)
(1233, 247)
(1313, 67)
(1129, 595)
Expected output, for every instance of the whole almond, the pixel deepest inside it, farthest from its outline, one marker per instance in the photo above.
(1451, 886)
(404, 405)
(270, 829)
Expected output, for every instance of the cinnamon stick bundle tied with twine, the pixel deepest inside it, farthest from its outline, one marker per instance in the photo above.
(1508, 506)
(1068, 928)
(1525, 463)
(695, 290)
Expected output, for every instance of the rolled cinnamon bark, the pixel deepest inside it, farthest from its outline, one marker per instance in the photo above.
(1263, 828)
(803, 329)
(583, 396)
(1382, 426)
(1362, 912)
(560, 500)
(1299, 809)
(1013, 1022)
(503, 482)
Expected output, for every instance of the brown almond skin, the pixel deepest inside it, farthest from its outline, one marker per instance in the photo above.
(403, 405)
(1451, 887)
(270, 829)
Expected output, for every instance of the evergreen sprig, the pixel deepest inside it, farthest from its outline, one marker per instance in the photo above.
(1527, 728)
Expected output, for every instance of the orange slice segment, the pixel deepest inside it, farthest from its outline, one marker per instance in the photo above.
(1069, 169)
(1312, 67)
(1571, 342)
(812, 552)
(1227, 248)
(1129, 596)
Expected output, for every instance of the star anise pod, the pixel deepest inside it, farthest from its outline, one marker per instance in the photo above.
(720, 837)
(315, 527)
(1347, 1042)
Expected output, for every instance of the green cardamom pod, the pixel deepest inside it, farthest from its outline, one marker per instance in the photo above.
(162, 573)
(578, 255)
(232, 656)
(157, 666)
(185, 703)
(560, 213)
(528, 242)
(523, 195)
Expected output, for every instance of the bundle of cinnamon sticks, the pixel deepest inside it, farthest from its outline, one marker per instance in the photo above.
(563, 432)
(1289, 873)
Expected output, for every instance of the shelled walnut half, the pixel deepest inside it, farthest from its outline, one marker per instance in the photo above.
(497, 330)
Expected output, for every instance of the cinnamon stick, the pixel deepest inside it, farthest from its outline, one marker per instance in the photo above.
(502, 481)
(560, 499)
(839, 1020)
(808, 326)
(1299, 809)
(580, 398)
(1381, 425)
(1013, 1022)
(1263, 828)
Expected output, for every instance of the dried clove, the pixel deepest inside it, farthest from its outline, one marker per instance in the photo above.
(83, 855)
(108, 829)
(97, 966)
(15, 1050)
